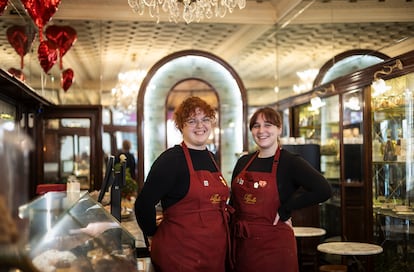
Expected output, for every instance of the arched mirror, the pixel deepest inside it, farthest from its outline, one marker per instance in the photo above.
(184, 89)
(173, 75)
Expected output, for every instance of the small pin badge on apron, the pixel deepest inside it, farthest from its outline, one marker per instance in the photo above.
(206, 183)
(256, 185)
(262, 183)
(240, 181)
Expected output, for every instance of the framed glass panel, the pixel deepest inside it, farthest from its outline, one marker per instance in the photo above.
(67, 150)
(330, 163)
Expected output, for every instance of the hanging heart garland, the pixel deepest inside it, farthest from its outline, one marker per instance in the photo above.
(21, 39)
(3, 5)
(63, 36)
(41, 11)
(47, 54)
(67, 79)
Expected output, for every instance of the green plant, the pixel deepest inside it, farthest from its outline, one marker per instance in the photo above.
(131, 186)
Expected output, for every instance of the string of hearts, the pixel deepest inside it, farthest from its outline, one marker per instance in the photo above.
(59, 38)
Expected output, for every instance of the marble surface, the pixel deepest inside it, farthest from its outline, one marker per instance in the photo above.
(131, 225)
(308, 231)
(350, 248)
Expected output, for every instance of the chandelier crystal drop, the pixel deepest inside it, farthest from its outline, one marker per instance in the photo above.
(126, 90)
(189, 10)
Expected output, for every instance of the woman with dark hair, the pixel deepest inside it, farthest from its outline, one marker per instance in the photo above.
(193, 234)
(265, 190)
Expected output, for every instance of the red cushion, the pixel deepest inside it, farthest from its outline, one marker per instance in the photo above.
(44, 188)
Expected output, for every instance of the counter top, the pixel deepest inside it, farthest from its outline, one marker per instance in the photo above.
(132, 227)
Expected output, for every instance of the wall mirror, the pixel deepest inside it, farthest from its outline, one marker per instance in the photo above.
(153, 114)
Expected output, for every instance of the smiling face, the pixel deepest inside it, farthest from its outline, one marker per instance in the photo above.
(266, 129)
(196, 130)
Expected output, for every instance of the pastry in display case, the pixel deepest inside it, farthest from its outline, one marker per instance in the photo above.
(71, 231)
(392, 105)
(392, 153)
(14, 151)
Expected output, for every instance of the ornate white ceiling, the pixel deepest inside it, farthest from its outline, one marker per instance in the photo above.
(266, 43)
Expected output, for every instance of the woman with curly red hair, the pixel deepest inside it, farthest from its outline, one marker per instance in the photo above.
(193, 235)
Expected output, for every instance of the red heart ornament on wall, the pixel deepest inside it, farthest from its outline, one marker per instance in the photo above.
(41, 11)
(67, 79)
(3, 5)
(21, 39)
(47, 54)
(63, 36)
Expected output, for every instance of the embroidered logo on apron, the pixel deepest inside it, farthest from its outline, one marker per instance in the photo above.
(215, 199)
(249, 199)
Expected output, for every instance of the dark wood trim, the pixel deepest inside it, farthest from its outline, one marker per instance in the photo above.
(360, 80)
(330, 63)
(92, 112)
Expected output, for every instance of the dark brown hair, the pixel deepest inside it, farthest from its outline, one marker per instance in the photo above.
(269, 114)
(188, 108)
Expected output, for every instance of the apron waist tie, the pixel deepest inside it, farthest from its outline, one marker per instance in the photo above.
(226, 211)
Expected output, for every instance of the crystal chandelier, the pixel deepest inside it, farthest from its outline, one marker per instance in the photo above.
(306, 80)
(126, 90)
(189, 10)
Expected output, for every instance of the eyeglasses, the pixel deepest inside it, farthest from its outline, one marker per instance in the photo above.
(206, 121)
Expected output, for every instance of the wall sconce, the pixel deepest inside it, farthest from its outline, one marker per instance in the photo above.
(378, 85)
(324, 91)
(316, 101)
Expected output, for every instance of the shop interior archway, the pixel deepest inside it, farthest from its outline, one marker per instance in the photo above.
(152, 111)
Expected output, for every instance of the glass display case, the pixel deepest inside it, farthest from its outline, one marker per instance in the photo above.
(393, 171)
(330, 163)
(72, 231)
(309, 123)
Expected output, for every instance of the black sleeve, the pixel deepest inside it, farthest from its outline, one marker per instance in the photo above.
(294, 173)
(161, 184)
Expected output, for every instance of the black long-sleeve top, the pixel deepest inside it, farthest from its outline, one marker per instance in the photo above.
(293, 172)
(168, 181)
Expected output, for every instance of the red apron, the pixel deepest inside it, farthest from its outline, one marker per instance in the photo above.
(259, 245)
(194, 233)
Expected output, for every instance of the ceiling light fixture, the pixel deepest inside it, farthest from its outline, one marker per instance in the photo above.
(125, 93)
(306, 80)
(189, 10)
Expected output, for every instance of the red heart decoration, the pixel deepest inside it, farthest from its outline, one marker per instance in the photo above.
(21, 39)
(41, 11)
(63, 36)
(3, 5)
(47, 54)
(17, 73)
(67, 79)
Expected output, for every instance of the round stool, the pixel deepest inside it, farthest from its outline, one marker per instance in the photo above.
(333, 268)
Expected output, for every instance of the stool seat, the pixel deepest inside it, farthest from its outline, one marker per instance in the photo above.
(333, 268)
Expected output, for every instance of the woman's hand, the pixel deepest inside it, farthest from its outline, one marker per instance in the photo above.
(287, 222)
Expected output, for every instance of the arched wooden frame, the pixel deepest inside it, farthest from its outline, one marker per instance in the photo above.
(147, 80)
(211, 89)
(330, 63)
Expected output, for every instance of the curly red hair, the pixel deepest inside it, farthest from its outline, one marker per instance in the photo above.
(188, 108)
